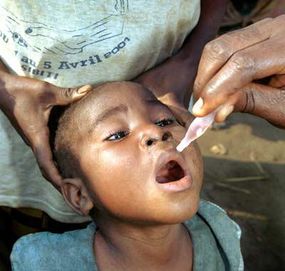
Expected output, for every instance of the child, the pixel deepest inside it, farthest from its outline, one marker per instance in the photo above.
(117, 152)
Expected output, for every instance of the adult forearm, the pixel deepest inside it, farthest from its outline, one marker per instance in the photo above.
(212, 13)
(211, 16)
(172, 81)
(3, 80)
(2, 66)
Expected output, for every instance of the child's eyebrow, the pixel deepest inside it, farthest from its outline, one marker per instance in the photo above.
(110, 112)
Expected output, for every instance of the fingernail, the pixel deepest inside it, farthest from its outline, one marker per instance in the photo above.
(197, 106)
(84, 89)
(226, 111)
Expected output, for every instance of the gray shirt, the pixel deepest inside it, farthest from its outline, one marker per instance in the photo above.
(215, 237)
(72, 43)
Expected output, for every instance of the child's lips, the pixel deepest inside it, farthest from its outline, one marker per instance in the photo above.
(171, 173)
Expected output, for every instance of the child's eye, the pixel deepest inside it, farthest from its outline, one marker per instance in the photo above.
(165, 122)
(117, 136)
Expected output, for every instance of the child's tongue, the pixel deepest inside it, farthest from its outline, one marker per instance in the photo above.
(170, 172)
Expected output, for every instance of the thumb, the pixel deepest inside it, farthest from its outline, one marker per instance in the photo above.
(65, 96)
(209, 103)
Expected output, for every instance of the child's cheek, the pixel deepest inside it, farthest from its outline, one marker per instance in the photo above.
(194, 154)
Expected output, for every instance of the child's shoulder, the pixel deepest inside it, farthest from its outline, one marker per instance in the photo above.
(45, 251)
(217, 216)
(218, 219)
(216, 235)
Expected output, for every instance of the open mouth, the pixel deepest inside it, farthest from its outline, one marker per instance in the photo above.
(170, 172)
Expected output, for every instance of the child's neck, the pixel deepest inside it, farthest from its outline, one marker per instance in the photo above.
(125, 247)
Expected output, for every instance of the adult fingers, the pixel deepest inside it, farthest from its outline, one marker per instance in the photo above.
(259, 61)
(278, 81)
(226, 109)
(33, 128)
(65, 96)
(43, 154)
(217, 52)
(265, 102)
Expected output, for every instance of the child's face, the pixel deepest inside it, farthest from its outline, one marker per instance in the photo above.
(128, 158)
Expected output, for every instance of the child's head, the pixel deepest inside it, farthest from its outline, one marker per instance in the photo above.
(116, 148)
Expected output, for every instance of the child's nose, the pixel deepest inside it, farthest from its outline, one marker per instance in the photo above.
(151, 138)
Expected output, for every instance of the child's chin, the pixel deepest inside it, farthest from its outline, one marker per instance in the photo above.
(186, 216)
(190, 211)
(177, 219)
(181, 215)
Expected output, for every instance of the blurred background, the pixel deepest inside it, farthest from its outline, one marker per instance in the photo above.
(245, 174)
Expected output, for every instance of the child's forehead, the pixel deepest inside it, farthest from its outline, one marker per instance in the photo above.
(124, 89)
(110, 96)
(116, 93)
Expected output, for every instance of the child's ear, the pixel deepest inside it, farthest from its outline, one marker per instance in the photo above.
(76, 195)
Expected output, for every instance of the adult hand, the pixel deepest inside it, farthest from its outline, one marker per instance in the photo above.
(27, 103)
(169, 87)
(232, 61)
(264, 101)
(181, 112)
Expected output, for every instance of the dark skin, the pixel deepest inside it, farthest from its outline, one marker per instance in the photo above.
(27, 103)
(139, 220)
(36, 98)
(245, 71)
(155, 249)
(172, 81)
